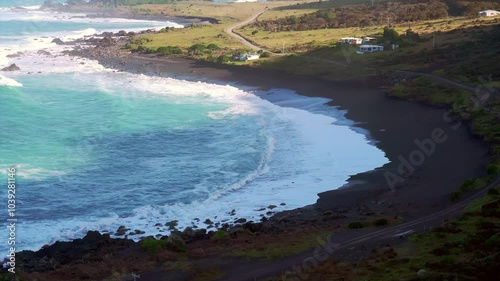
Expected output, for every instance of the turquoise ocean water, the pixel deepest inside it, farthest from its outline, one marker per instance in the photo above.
(95, 149)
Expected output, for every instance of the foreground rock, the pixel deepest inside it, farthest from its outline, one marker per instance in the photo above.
(12, 67)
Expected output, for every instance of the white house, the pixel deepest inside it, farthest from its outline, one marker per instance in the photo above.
(247, 56)
(351, 40)
(489, 13)
(368, 39)
(253, 56)
(369, 49)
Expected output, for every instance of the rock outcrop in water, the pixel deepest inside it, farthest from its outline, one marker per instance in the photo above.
(58, 41)
(12, 67)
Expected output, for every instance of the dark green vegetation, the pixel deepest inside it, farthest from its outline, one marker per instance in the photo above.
(359, 16)
(173, 243)
(356, 225)
(470, 7)
(467, 248)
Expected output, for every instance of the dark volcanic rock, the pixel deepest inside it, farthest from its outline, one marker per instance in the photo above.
(121, 231)
(106, 34)
(121, 33)
(43, 52)
(254, 227)
(12, 67)
(58, 41)
(240, 221)
(188, 234)
(172, 224)
(136, 232)
(16, 55)
(107, 42)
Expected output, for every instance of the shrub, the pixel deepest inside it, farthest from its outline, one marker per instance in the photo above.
(356, 225)
(152, 245)
(493, 241)
(391, 34)
(454, 196)
(467, 185)
(492, 169)
(197, 49)
(219, 235)
(169, 50)
(223, 58)
(380, 222)
(265, 55)
(493, 191)
(213, 47)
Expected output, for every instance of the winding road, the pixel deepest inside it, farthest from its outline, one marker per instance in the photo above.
(230, 31)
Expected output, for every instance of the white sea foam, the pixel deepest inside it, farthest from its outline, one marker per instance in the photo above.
(4, 81)
(36, 7)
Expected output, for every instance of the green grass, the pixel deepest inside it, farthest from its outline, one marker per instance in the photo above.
(424, 89)
(282, 249)
(186, 37)
(475, 206)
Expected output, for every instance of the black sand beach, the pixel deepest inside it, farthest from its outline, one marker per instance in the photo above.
(395, 124)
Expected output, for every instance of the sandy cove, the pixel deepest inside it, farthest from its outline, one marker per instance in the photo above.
(402, 129)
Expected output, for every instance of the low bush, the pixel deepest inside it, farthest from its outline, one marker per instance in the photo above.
(152, 245)
(380, 222)
(356, 225)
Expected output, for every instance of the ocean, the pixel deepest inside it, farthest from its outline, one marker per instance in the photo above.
(95, 148)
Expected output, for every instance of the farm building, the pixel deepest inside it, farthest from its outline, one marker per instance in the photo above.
(351, 40)
(369, 49)
(246, 56)
(368, 39)
(489, 13)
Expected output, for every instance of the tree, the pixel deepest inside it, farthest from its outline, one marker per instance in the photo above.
(391, 34)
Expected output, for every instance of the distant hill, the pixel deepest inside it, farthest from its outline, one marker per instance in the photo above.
(470, 7)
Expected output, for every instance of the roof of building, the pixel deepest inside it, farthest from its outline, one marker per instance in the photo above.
(369, 46)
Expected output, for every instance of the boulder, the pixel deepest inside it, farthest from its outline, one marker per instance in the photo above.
(58, 41)
(121, 33)
(176, 243)
(121, 231)
(253, 227)
(107, 42)
(43, 52)
(188, 234)
(16, 55)
(240, 220)
(172, 224)
(12, 67)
